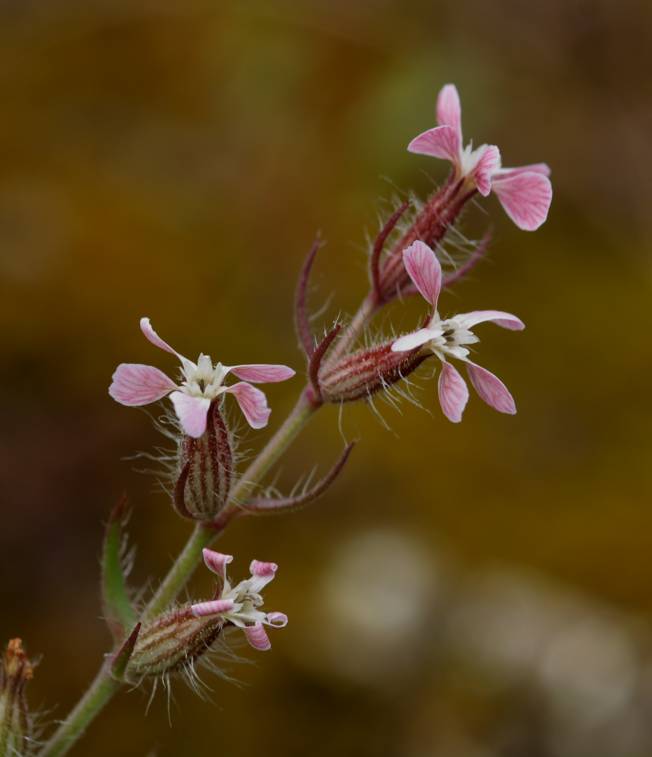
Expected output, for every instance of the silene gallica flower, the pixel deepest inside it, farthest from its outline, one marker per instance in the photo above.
(239, 605)
(176, 640)
(450, 337)
(525, 192)
(201, 383)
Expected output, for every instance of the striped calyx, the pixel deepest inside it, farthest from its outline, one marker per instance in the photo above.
(205, 470)
(365, 372)
(171, 644)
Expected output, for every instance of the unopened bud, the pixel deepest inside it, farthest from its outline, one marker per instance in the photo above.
(171, 644)
(205, 470)
(366, 372)
(15, 721)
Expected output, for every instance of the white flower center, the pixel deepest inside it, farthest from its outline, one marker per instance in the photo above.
(469, 158)
(203, 379)
(451, 338)
(246, 601)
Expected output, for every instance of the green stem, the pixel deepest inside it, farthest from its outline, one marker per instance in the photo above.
(96, 697)
(184, 566)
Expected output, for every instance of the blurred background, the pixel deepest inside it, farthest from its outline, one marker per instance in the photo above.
(481, 590)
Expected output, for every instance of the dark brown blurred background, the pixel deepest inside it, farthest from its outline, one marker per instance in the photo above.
(474, 591)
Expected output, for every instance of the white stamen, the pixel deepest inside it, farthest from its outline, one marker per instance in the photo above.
(449, 338)
(203, 379)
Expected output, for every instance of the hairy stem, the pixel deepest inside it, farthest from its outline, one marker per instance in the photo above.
(98, 694)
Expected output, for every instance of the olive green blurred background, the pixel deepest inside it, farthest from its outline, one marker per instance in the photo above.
(474, 590)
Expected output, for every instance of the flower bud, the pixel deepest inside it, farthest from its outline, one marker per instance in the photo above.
(171, 643)
(366, 372)
(205, 470)
(15, 721)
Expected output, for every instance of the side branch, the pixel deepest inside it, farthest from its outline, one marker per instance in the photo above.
(301, 318)
(374, 260)
(264, 505)
(317, 357)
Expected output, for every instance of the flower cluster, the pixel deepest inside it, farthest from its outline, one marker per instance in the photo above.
(208, 488)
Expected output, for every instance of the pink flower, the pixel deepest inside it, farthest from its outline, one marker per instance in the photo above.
(448, 338)
(201, 383)
(525, 193)
(239, 605)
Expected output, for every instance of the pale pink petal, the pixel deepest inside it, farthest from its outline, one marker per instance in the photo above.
(413, 340)
(425, 271)
(215, 607)
(216, 561)
(277, 619)
(153, 337)
(491, 389)
(542, 168)
(485, 169)
(440, 142)
(525, 196)
(257, 637)
(253, 404)
(134, 384)
(453, 393)
(191, 412)
(261, 569)
(262, 373)
(449, 109)
(500, 318)
(261, 574)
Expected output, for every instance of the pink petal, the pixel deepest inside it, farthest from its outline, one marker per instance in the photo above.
(485, 169)
(153, 337)
(491, 389)
(525, 196)
(263, 569)
(440, 142)
(413, 340)
(425, 271)
(253, 404)
(191, 412)
(257, 637)
(449, 109)
(261, 574)
(134, 384)
(262, 373)
(453, 393)
(506, 320)
(217, 606)
(277, 619)
(542, 168)
(216, 561)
